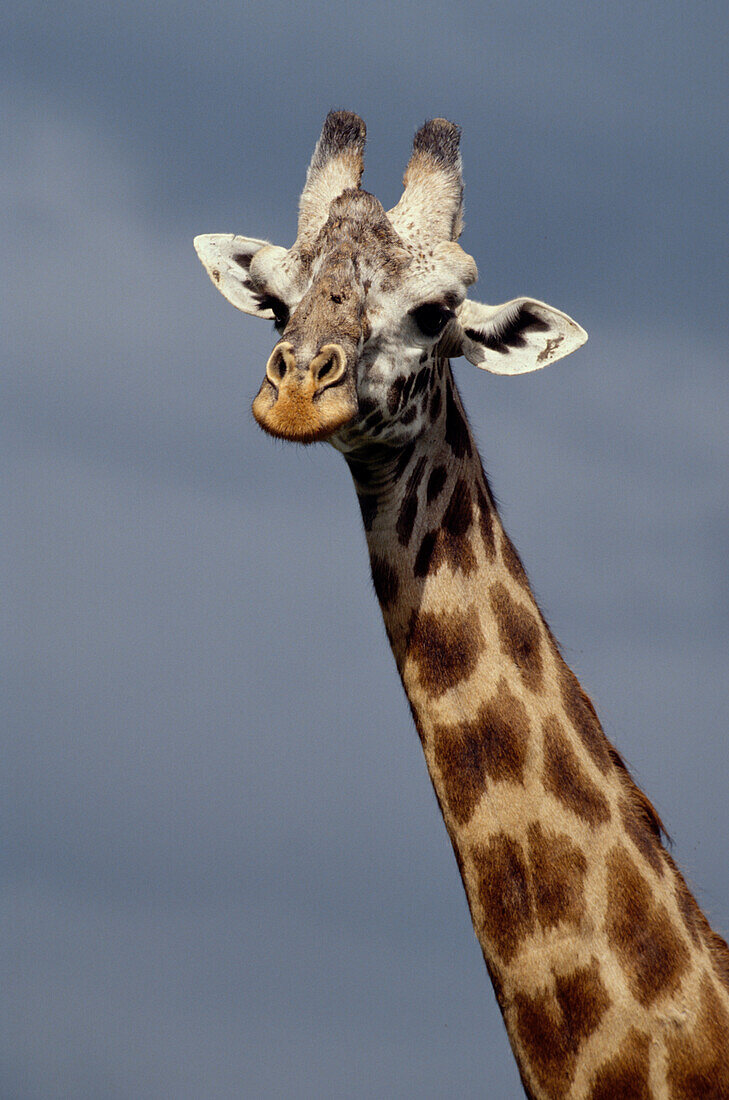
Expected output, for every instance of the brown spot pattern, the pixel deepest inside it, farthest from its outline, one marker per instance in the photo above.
(374, 420)
(420, 380)
(445, 648)
(625, 1076)
(403, 460)
(558, 873)
(552, 1028)
(640, 807)
(649, 949)
(547, 1047)
(493, 745)
(518, 888)
(719, 953)
(518, 633)
(457, 434)
(385, 580)
(486, 523)
(581, 714)
(698, 926)
(505, 895)
(361, 471)
(583, 999)
(367, 405)
(458, 514)
(437, 547)
(436, 481)
(426, 553)
(409, 505)
(368, 508)
(449, 543)
(512, 561)
(645, 841)
(687, 905)
(698, 1062)
(565, 778)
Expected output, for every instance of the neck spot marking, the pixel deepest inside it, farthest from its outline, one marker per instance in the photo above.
(645, 841)
(436, 481)
(581, 714)
(512, 561)
(493, 745)
(409, 506)
(385, 580)
(519, 634)
(650, 951)
(486, 523)
(564, 777)
(558, 869)
(444, 648)
(553, 1028)
(518, 888)
(457, 434)
(626, 1074)
(449, 543)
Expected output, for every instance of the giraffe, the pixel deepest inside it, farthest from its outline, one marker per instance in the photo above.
(609, 978)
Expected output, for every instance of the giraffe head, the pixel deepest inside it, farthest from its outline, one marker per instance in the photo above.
(366, 300)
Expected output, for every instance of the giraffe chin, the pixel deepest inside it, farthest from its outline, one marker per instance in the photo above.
(294, 414)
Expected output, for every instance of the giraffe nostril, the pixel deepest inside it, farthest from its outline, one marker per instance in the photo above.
(281, 362)
(325, 369)
(329, 366)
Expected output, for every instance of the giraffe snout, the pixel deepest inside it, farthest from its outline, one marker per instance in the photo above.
(282, 361)
(324, 370)
(306, 398)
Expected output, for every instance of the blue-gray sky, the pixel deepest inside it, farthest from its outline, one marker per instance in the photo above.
(225, 874)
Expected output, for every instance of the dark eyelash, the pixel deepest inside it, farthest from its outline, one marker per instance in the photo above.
(432, 317)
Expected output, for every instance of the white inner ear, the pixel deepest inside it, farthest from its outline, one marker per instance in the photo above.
(516, 337)
(227, 260)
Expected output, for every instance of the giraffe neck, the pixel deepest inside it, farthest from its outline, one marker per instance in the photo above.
(606, 971)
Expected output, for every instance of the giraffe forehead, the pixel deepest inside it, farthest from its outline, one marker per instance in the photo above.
(359, 241)
(358, 232)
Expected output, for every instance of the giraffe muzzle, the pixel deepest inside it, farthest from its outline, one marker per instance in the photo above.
(308, 401)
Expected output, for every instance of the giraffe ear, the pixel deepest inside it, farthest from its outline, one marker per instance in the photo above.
(517, 337)
(227, 260)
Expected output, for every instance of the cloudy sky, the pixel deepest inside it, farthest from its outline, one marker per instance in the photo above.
(224, 872)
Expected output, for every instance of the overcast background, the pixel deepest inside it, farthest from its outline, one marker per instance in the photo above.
(225, 874)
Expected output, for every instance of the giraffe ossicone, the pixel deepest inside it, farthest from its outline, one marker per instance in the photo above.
(609, 977)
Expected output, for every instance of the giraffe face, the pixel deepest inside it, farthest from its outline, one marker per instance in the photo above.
(368, 303)
(362, 314)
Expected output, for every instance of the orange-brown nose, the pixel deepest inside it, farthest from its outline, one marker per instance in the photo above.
(326, 368)
(299, 399)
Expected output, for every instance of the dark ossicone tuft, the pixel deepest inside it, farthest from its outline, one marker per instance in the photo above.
(432, 199)
(440, 140)
(341, 130)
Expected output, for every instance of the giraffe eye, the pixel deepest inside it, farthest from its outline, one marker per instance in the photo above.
(431, 318)
(278, 308)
